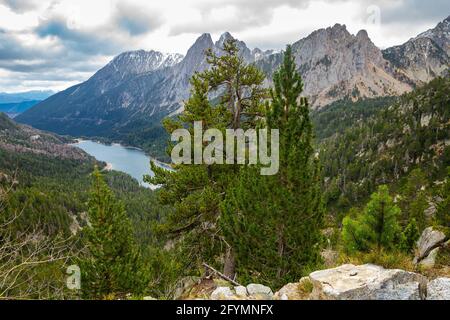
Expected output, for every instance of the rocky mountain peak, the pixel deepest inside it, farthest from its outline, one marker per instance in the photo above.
(141, 61)
(440, 35)
(362, 35)
(195, 56)
(129, 64)
(223, 37)
(445, 24)
(336, 64)
(424, 57)
(203, 42)
(338, 30)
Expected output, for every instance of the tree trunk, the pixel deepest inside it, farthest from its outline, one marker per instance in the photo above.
(229, 268)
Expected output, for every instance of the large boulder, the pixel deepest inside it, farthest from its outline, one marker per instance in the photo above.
(429, 240)
(241, 291)
(430, 260)
(288, 292)
(251, 292)
(223, 293)
(365, 282)
(439, 289)
(253, 289)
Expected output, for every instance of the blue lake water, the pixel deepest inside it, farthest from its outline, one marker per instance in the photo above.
(129, 160)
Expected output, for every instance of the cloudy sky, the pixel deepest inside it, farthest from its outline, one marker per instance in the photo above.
(57, 43)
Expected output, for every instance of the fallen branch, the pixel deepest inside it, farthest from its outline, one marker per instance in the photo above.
(220, 274)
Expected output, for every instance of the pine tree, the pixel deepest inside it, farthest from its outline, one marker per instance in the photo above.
(377, 227)
(273, 222)
(410, 236)
(414, 199)
(111, 265)
(196, 191)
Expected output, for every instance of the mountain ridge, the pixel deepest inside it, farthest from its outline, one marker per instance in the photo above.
(126, 100)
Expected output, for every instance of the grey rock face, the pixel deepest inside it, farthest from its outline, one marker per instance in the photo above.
(365, 282)
(222, 293)
(440, 35)
(420, 59)
(439, 289)
(429, 240)
(241, 291)
(424, 57)
(336, 64)
(430, 260)
(254, 289)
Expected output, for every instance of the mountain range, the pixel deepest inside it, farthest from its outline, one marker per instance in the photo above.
(34, 95)
(15, 108)
(126, 100)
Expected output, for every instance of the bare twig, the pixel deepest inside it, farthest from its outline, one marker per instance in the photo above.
(220, 274)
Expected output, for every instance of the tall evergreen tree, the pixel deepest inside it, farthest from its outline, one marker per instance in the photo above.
(273, 222)
(414, 199)
(376, 228)
(410, 236)
(196, 190)
(111, 265)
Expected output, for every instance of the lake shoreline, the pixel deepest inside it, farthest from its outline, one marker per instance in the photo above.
(158, 162)
(132, 161)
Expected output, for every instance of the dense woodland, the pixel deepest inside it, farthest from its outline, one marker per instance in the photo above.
(344, 170)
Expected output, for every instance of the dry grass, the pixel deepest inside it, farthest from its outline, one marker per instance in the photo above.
(386, 259)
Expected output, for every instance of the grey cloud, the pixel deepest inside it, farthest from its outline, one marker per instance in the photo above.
(42, 62)
(11, 48)
(250, 13)
(279, 41)
(253, 13)
(77, 64)
(20, 6)
(72, 50)
(102, 40)
(135, 21)
(413, 11)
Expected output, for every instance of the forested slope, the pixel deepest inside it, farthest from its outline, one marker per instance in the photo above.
(383, 144)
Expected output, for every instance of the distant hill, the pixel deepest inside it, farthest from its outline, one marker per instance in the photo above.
(18, 97)
(16, 108)
(22, 139)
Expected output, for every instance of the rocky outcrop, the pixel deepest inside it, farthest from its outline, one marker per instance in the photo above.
(346, 282)
(223, 293)
(336, 64)
(428, 247)
(251, 292)
(430, 260)
(365, 282)
(295, 291)
(439, 289)
(424, 57)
